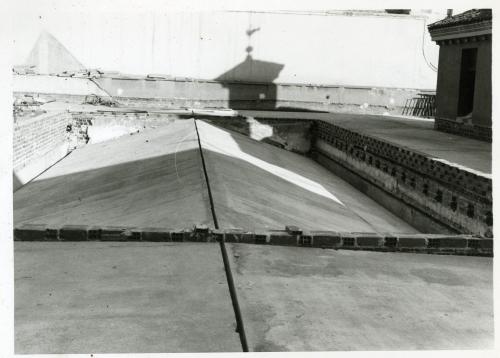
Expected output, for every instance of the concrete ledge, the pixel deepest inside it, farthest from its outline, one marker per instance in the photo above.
(423, 243)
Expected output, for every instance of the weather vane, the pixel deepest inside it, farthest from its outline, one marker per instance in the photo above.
(249, 33)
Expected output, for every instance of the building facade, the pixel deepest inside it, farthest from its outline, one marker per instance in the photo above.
(463, 93)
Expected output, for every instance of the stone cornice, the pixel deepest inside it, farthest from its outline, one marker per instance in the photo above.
(478, 31)
(464, 40)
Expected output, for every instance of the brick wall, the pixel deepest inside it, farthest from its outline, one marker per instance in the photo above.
(459, 199)
(35, 137)
(466, 130)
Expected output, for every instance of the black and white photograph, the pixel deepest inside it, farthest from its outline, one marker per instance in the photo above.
(232, 177)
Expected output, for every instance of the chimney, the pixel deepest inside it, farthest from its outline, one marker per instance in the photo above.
(449, 12)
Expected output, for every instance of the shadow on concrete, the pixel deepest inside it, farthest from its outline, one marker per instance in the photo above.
(163, 191)
(255, 185)
(250, 84)
(258, 186)
(169, 191)
(291, 134)
(16, 182)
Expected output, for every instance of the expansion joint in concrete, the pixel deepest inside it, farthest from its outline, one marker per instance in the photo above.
(240, 327)
(207, 180)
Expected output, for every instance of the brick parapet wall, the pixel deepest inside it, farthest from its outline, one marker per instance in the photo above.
(466, 130)
(34, 137)
(456, 197)
(102, 119)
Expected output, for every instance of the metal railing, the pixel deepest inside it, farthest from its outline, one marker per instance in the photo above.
(422, 106)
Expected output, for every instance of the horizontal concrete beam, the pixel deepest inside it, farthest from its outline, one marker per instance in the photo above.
(417, 243)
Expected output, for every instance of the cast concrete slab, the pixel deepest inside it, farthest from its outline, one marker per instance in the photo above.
(415, 134)
(152, 178)
(114, 297)
(257, 186)
(298, 299)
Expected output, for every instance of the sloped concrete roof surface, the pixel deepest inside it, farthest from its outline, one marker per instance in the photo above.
(155, 178)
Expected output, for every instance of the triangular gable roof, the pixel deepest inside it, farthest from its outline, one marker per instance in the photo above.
(252, 70)
(49, 56)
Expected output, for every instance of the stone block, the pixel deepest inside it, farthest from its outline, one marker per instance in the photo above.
(453, 242)
(199, 233)
(412, 242)
(234, 235)
(261, 238)
(348, 240)
(155, 234)
(486, 244)
(217, 235)
(305, 240)
(368, 240)
(133, 234)
(94, 234)
(282, 238)
(325, 239)
(181, 235)
(52, 234)
(201, 228)
(73, 233)
(293, 230)
(247, 237)
(391, 241)
(30, 232)
(112, 233)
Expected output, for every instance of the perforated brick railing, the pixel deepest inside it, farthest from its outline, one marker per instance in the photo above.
(460, 198)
